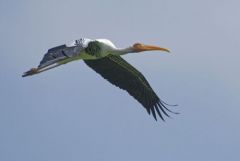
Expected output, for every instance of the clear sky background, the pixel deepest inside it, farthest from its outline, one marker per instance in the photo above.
(72, 114)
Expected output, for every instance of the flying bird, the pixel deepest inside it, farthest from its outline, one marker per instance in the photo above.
(105, 58)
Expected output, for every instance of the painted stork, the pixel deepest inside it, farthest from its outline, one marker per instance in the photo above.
(105, 58)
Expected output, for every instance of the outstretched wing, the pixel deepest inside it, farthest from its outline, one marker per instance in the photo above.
(123, 75)
(63, 52)
(59, 53)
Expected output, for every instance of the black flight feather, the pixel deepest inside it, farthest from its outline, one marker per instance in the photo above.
(123, 75)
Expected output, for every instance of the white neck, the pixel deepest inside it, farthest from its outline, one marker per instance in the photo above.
(119, 51)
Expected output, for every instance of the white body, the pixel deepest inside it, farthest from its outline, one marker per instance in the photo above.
(107, 47)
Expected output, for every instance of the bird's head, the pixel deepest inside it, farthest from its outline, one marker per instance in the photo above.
(139, 47)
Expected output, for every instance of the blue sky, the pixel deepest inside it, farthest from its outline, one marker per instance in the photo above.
(71, 113)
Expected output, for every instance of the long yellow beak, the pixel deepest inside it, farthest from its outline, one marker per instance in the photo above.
(141, 47)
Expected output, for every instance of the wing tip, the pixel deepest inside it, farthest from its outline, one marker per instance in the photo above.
(160, 108)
